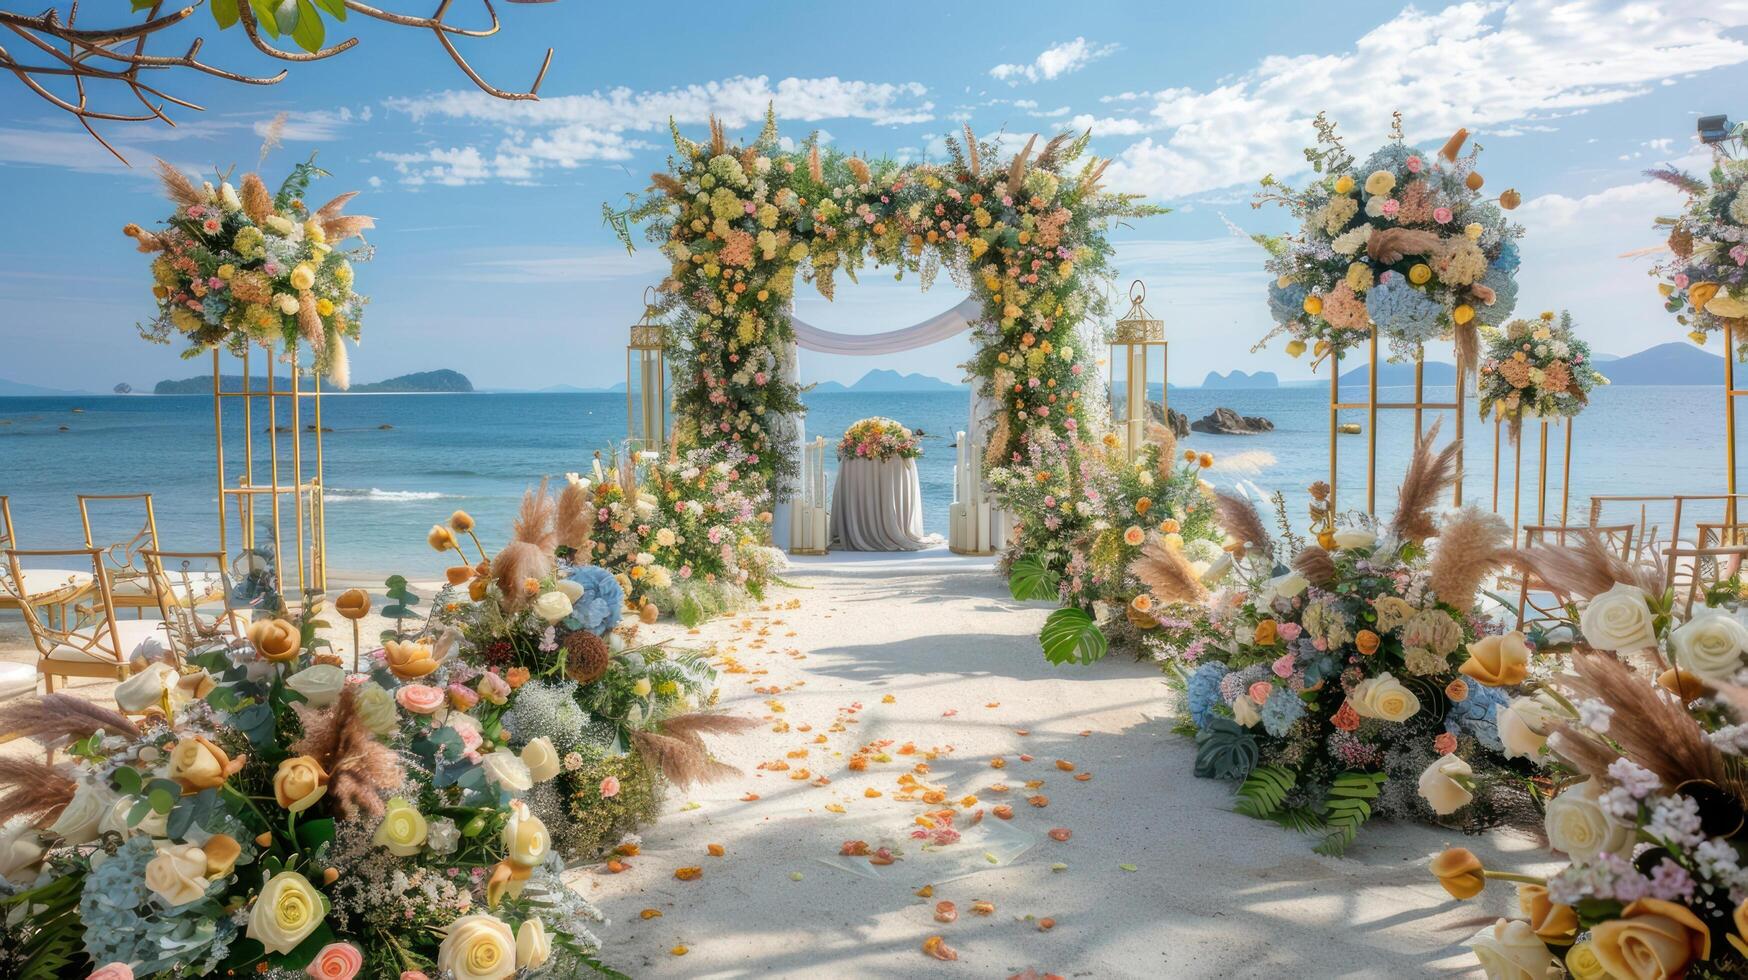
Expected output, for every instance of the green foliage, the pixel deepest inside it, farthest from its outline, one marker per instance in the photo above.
(54, 945)
(1300, 819)
(1225, 750)
(1264, 790)
(1348, 806)
(1030, 579)
(402, 600)
(224, 12)
(1071, 635)
(308, 31)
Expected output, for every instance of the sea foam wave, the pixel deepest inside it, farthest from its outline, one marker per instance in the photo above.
(334, 494)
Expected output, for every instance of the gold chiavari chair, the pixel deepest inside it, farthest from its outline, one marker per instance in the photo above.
(1532, 608)
(185, 582)
(93, 643)
(123, 526)
(53, 587)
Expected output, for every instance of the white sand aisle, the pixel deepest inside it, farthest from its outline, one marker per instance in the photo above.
(1212, 893)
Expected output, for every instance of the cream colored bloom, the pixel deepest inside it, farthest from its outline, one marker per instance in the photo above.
(572, 589)
(1710, 644)
(288, 909)
(1440, 788)
(478, 947)
(1524, 725)
(320, 683)
(1511, 950)
(299, 783)
(178, 874)
(403, 828)
(665, 537)
(541, 759)
(641, 688)
(80, 818)
(552, 606)
(1355, 537)
(1618, 620)
(377, 707)
(1384, 697)
(503, 769)
(145, 689)
(1380, 182)
(20, 852)
(533, 948)
(1578, 826)
(525, 839)
(302, 276)
(1244, 711)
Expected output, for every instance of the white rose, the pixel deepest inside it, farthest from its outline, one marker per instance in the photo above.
(178, 874)
(403, 830)
(319, 683)
(377, 707)
(1618, 620)
(1355, 537)
(572, 589)
(145, 689)
(1710, 645)
(78, 822)
(1287, 586)
(1440, 788)
(1578, 826)
(533, 948)
(504, 769)
(115, 820)
(1511, 950)
(288, 909)
(1524, 725)
(526, 841)
(20, 852)
(1384, 697)
(552, 606)
(1244, 711)
(541, 759)
(478, 947)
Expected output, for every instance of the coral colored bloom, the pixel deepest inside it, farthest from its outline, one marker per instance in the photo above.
(336, 961)
(1346, 718)
(113, 971)
(1260, 691)
(420, 699)
(609, 787)
(462, 696)
(1445, 743)
(1441, 215)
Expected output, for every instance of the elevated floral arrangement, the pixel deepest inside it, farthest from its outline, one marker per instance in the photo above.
(1085, 513)
(1402, 242)
(687, 533)
(534, 646)
(236, 268)
(273, 813)
(1536, 369)
(878, 438)
(1705, 282)
(1361, 681)
(740, 223)
(1645, 743)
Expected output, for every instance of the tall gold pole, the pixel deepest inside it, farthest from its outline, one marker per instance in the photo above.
(297, 501)
(1542, 479)
(318, 501)
(1334, 421)
(1419, 389)
(1516, 489)
(1497, 422)
(1566, 475)
(218, 439)
(246, 501)
(273, 481)
(1457, 499)
(1730, 420)
(1372, 429)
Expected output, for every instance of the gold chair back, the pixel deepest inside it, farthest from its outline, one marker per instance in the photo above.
(125, 527)
(88, 643)
(188, 584)
(1532, 609)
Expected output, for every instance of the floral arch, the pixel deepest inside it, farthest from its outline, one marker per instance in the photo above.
(741, 223)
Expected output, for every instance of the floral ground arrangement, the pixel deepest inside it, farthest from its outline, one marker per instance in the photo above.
(1644, 739)
(879, 438)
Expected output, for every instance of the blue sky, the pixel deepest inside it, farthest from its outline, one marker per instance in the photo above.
(491, 257)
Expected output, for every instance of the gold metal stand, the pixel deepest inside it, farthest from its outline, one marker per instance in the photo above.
(1730, 395)
(304, 488)
(1372, 406)
(1541, 477)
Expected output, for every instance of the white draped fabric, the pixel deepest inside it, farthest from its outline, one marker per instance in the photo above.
(931, 331)
(877, 505)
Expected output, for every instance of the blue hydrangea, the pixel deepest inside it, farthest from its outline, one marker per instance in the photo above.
(1204, 691)
(213, 307)
(598, 609)
(1392, 156)
(1287, 302)
(1508, 257)
(1280, 711)
(126, 923)
(1402, 311)
(1500, 279)
(1478, 715)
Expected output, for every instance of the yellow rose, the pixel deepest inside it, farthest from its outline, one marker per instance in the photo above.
(325, 306)
(299, 783)
(1498, 661)
(178, 874)
(525, 838)
(276, 640)
(1582, 963)
(303, 277)
(403, 828)
(197, 764)
(1419, 273)
(1473, 230)
(1313, 305)
(1652, 939)
(541, 759)
(1385, 698)
(408, 660)
(1344, 184)
(288, 909)
(641, 688)
(478, 947)
(533, 948)
(1380, 182)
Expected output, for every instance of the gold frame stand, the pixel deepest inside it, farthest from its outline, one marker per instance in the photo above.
(1372, 406)
(1541, 476)
(303, 492)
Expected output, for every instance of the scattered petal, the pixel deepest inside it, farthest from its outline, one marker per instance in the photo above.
(1003, 811)
(871, 793)
(889, 699)
(1059, 866)
(926, 891)
(983, 908)
(1081, 777)
(679, 951)
(692, 805)
(716, 850)
(1128, 867)
(1064, 765)
(835, 807)
(1025, 758)
(882, 857)
(688, 874)
(854, 848)
(1061, 833)
(998, 763)
(614, 867)
(750, 798)
(937, 947)
(1040, 801)
(946, 912)
(794, 876)
(1022, 731)
(650, 914)
(1045, 925)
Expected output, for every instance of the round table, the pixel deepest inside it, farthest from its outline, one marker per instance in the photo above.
(877, 505)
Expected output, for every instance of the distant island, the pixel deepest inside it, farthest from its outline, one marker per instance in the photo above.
(1674, 363)
(885, 380)
(1239, 379)
(18, 389)
(444, 380)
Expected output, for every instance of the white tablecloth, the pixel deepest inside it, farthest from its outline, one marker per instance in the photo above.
(877, 505)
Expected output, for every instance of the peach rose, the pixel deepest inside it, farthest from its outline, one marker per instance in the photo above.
(408, 660)
(197, 764)
(420, 699)
(299, 783)
(336, 961)
(1459, 872)
(1553, 922)
(1498, 661)
(276, 639)
(1367, 642)
(353, 604)
(112, 971)
(1652, 939)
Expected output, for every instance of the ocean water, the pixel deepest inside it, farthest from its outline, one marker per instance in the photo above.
(386, 486)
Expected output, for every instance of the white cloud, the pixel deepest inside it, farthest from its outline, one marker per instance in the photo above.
(1487, 66)
(570, 130)
(313, 126)
(556, 264)
(1054, 61)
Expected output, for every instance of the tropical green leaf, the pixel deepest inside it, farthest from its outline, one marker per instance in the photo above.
(265, 16)
(1225, 750)
(224, 13)
(335, 7)
(1071, 635)
(1031, 579)
(1264, 790)
(1347, 808)
(308, 32)
(1300, 819)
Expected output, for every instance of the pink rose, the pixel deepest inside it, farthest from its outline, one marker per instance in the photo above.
(336, 961)
(462, 697)
(420, 699)
(1283, 667)
(1413, 165)
(1260, 691)
(113, 971)
(1288, 631)
(609, 787)
(1681, 280)
(1441, 215)
(1390, 207)
(414, 975)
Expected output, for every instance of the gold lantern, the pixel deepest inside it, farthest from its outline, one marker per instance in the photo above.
(646, 381)
(1138, 361)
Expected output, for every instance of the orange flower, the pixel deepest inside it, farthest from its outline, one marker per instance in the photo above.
(1652, 938)
(353, 604)
(1266, 633)
(1459, 871)
(1553, 923)
(276, 640)
(1345, 717)
(688, 874)
(1205, 460)
(458, 574)
(408, 660)
(516, 677)
(1367, 642)
(1143, 505)
(1457, 690)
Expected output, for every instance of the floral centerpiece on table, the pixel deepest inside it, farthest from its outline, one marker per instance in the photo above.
(1646, 743)
(1084, 513)
(538, 638)
(879, 438)
(1403, 242)
(236, 268)
(1341, 686)
(688, 534)
(1705, 283)
(1536, 368)
(283, 816)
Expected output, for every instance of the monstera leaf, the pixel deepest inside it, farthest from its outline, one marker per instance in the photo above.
(1072, 634)
(1031, 579)
(1224, 750)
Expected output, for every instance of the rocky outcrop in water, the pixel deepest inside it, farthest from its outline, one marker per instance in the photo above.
(1178, 422)
(1226, 422)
